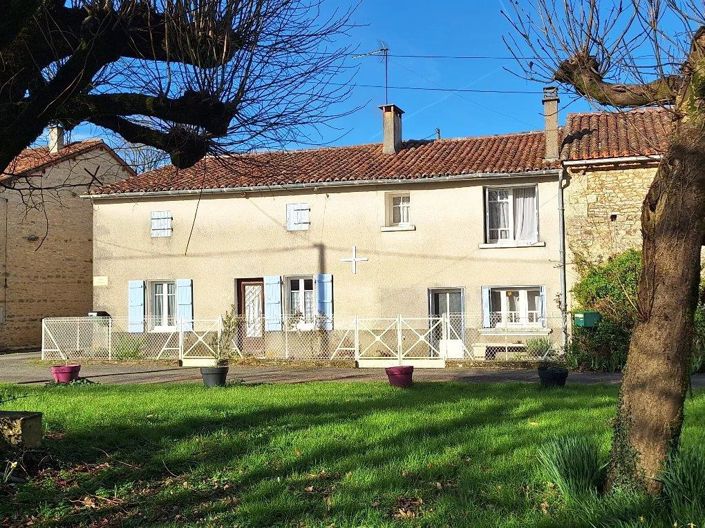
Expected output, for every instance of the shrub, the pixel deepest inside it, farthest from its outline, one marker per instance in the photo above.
(574, 465)
(538, 347)
(127, 347)
(684, 487)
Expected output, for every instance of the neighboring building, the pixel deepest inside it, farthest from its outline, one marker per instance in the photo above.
(46, 236)
(610, 161)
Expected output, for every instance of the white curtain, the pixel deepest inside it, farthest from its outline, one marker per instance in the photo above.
(525, 214)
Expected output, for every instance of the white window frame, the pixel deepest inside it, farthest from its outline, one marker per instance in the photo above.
(523, 317)
(298, 216)
(162, 325)
(510, 241)
(304, 323)
(161, 224)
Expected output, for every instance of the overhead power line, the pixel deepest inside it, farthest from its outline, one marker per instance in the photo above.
(446, 90)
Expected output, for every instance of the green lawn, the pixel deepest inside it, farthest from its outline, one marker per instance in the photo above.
(320, 454)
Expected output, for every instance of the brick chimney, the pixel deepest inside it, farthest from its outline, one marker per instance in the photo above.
(56, 138)
(391, 125)
(550, 115)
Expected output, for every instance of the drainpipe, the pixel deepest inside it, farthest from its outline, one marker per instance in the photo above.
(563, 280)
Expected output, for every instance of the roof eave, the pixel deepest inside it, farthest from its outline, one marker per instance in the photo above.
(327, 185)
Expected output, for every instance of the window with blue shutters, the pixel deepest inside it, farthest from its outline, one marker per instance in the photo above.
(273, 303)
(184, 303)
(324, 300)
(135, 306)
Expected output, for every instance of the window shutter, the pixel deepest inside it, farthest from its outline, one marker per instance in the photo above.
(542, 305)
(273, 303)
(290, 217)
(486, 322)
(324, 289)
(298, 216)
(184, 303)
(135, 306)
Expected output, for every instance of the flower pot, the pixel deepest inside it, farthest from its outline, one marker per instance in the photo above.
(65, 373)
(552, 376)
(214, 376)
(400, 376)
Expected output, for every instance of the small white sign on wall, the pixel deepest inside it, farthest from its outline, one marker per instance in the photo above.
(100, 280)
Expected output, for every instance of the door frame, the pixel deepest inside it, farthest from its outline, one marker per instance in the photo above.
(240, 305)
(448, 289)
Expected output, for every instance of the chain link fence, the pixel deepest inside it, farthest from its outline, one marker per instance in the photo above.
(499, 337)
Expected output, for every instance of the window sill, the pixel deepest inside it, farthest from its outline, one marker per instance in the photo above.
(512, 245)
(390, 229)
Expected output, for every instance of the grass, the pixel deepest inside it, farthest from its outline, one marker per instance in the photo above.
(315, 455)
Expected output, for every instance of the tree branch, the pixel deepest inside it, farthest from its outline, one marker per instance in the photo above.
(582, 72)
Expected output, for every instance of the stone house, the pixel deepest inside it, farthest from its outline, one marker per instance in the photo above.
(46, 234)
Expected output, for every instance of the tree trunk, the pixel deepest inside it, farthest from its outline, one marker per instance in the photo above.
(650, 412)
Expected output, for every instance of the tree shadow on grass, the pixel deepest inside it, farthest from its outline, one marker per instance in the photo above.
(320, 461)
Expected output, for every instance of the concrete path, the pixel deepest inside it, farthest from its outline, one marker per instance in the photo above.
(25, 368)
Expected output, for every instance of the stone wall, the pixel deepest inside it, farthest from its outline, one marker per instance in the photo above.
(46, 254)
(603, 212)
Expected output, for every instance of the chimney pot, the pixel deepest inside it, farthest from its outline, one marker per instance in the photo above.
(56, 138)
(391, 126)
(550, 113)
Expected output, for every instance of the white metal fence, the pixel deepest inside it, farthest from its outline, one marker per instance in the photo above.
(451, 337)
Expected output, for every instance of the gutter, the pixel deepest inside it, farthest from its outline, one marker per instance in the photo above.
(608, 161)
(562, 251)
(326, 185)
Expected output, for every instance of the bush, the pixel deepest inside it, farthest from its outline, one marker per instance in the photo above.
(538, 347)
(684, 487)
(128, 347)
(611, 289)
(574, 465)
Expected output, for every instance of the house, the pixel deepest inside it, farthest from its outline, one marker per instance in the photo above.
(467, 227)
(46, 234)
(453, 247)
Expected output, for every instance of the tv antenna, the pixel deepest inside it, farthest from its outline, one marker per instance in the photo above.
(383, 52)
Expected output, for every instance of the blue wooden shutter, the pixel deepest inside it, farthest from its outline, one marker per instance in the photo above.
(135, 306)
(486, 322)
(272, 303)
(542, 306)
(324, 304)
(184, 303)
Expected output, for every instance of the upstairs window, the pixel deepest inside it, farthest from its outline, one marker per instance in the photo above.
(511, 215)
(397, 212)
(161, 224)
(298, 216)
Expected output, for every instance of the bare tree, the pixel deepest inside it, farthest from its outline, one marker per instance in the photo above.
(624, 55)
(188, 77)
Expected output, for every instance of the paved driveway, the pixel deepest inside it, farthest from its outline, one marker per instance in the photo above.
(25, 368)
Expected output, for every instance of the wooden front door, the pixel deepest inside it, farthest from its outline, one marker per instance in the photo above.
(251, 311)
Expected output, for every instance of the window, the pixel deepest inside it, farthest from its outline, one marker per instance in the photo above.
(401, 210)
(162, 307)
(161, 224)
(511, 215)
(298, 217)
(301, 301)
(515, 307)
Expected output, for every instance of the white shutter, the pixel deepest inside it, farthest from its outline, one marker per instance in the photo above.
(161, 224)
(298, 216)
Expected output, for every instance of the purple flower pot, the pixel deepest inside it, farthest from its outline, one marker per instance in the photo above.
(65, 373)
(400, 376)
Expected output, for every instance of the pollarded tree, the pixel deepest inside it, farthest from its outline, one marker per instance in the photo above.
(627, 54)
(188, 77)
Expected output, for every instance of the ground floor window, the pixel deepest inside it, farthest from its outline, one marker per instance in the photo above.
(162, 306)
(301, 299)
(515, 306)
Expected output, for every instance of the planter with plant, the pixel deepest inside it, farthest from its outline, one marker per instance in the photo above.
(552, 371)
(224, 349)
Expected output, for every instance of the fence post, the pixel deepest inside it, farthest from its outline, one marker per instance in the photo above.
(78, 334)
(110, 338)
(399, 339)
(445, 334)
(285, 324)
(44, 329)
(357, 339)
(180, 326)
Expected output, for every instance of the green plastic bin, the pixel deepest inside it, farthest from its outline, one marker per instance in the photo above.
(586, 319)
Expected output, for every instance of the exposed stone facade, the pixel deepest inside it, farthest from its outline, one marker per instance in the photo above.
(46, 254)
(603, 211)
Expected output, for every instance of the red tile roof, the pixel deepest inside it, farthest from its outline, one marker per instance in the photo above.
(589, 136)
(34, 159)
(510, 153)
(603, 135)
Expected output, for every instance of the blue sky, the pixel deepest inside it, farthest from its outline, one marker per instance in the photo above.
(443, 27)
